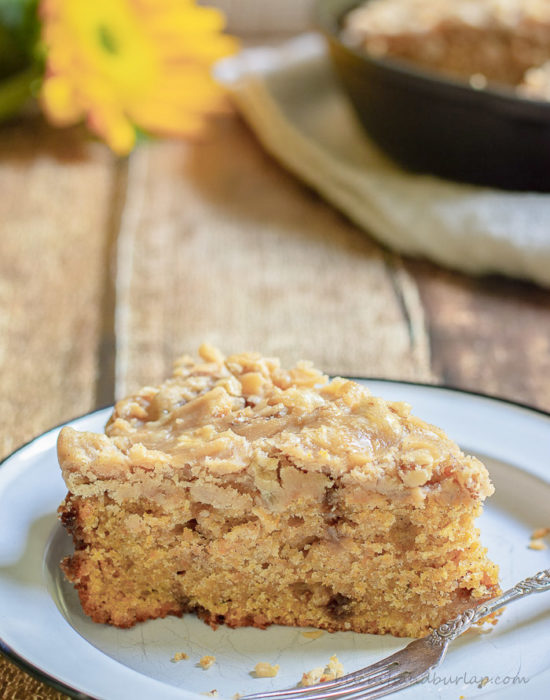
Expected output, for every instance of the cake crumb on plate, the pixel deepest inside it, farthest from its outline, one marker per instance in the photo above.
(313, 634)
(179, 656)
(265, 670)
(207, 661)
(333, 670)
(537, 542)
(478, 630)
(311, 677)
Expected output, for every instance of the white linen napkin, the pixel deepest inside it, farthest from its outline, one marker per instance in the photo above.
(291, 99)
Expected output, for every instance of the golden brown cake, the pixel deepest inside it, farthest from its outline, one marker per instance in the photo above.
(495, 41)
(252, 495)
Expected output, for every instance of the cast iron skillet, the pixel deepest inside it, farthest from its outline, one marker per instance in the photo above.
(432, 124)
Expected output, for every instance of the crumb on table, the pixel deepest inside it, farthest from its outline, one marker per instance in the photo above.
(179, 656)
(334, 669)
(313, 634)
(265, 670)
(207, 661)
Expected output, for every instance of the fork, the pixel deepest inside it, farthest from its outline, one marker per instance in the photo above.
(413, 663)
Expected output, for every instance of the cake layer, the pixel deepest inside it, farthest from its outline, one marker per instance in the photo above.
(492, 40)
(255, 495)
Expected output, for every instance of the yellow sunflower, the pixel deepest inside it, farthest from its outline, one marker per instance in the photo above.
(126, 63)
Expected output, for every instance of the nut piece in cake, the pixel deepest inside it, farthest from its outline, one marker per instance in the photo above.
(253, 495)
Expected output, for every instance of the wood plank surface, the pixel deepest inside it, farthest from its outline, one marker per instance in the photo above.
(55, 209)
(489, 334)
(218, 243)
(55, 203)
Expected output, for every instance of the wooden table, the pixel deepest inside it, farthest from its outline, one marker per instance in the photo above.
(111, 268)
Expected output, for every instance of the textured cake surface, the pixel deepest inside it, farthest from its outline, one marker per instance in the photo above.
(254, 495)
(498, 41)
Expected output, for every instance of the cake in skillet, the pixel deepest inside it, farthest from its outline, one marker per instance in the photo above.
(484, 41)
(251, 495)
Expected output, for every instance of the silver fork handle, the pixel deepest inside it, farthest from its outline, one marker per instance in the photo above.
(448, 631)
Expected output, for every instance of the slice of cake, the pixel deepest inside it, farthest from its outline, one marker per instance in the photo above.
(495, 41)
(252, 495)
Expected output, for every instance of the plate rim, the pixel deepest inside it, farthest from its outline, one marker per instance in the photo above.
(5, 649)
(12, 655)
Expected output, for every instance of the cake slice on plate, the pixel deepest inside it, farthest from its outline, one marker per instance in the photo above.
(253, 495)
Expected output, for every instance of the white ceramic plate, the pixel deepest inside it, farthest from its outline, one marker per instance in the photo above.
(43, 629)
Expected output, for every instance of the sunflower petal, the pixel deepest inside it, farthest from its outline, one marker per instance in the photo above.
(167, 119)
(132, 63)
(59, 102)
(114, 128)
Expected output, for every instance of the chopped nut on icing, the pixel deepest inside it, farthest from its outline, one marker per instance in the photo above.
(196, 423)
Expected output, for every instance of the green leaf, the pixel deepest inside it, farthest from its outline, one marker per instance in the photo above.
(16, 90)
(20, 17)
(19, 34)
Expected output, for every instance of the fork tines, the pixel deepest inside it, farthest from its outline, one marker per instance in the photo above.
(377, 680)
